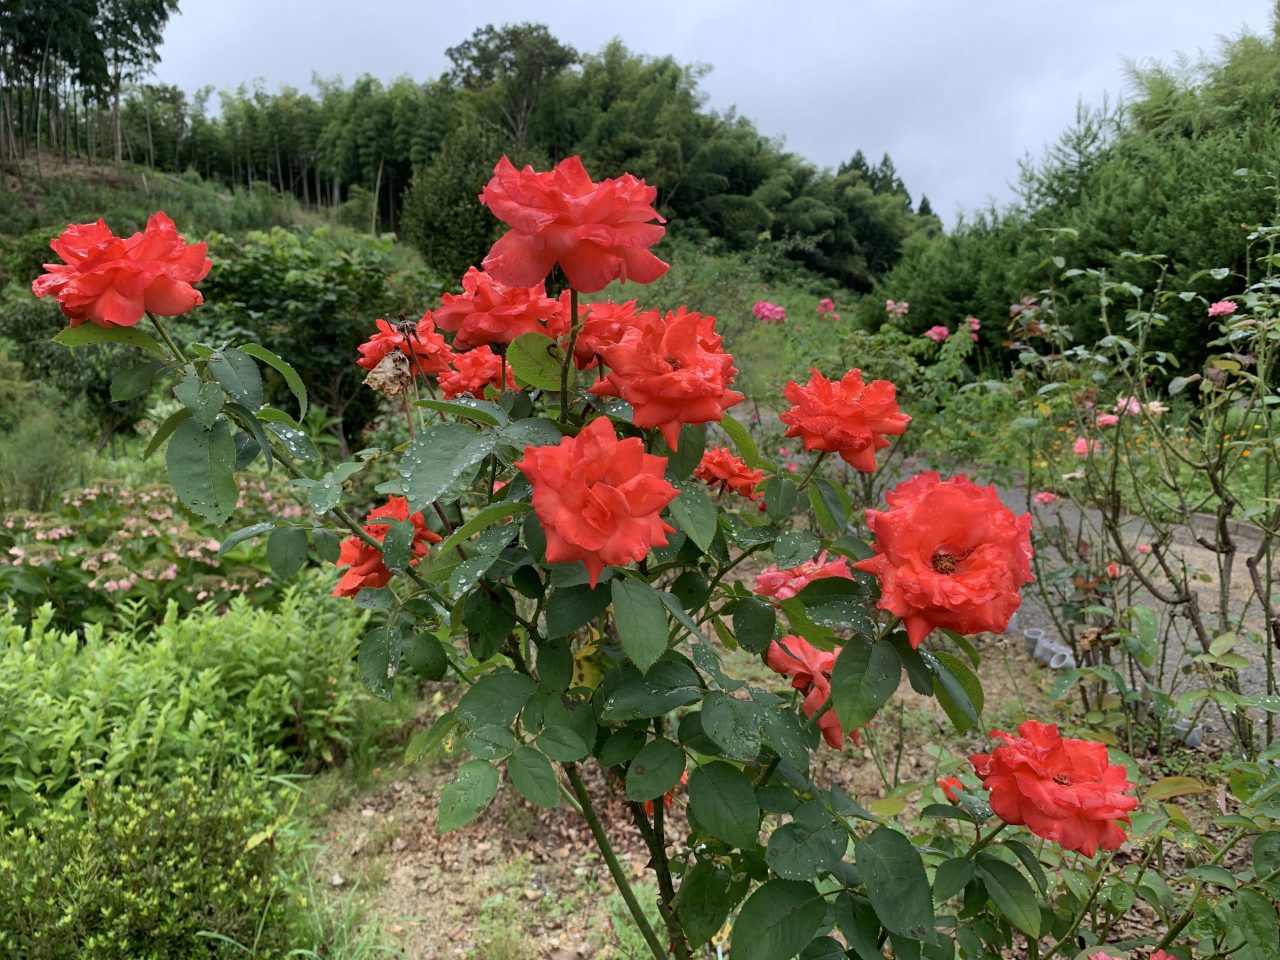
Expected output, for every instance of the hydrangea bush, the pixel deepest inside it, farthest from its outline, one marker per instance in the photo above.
(567, 533)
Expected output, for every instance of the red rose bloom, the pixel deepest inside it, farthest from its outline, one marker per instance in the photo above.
(949, 554)
(491, 312)
(365, 568)
(810, 671)
(671, 373)
(850, 418)
(1061, 789)
(473, 371)
(113, 282)
(949, 787)
(785, 584)
(599, 498)
(720, 466)
(425, 348)
(597, 232)
(604, 324)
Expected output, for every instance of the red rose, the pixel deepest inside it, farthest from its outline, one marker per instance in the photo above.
(113, 282)
(364, 563)
(604, 324)
(1062, 789)
(949, 554)
(599, 498)
(491, 312)
(425, 348)
(671, 373)
(850, 418)
(810, 671)
(597, 232)
(949, 787)
(473, 371)
(785, 584)
(720, 466)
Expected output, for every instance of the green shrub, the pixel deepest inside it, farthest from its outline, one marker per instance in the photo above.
(275, 689)
(146, 870)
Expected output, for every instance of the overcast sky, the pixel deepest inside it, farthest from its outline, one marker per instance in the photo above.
(956, 92)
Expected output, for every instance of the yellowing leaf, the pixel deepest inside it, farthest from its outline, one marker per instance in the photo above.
(1169, 787)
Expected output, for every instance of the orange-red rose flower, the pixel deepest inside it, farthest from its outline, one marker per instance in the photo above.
(365, 568)
(722, 467)
(598, 498)
(949, 787)
(603, 324)
(473, 371)
(949, 554)
(810, 672)
(597, 232)
(785, 584)
(491, 312)
(112, 281)
(671, 373)
(425, 348)
(850, 417)
(1061, 789)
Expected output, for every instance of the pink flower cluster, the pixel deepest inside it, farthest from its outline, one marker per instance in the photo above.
(1223, 308)
(1044, 498)
(769, 312)
(937, 333)
(785, 584)
(974, 326)
(896, 311)
(827, 309)
(1083, 447)
(1107, 420)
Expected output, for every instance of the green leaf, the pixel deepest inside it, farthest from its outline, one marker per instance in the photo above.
(238, 376)
(397, 545)
(245, 533)
(286, 551)
(242, 415)
(164, 431)
(865, 676)
(90, 334)
(655, 770)
(694, 513)
(754, 623)
(379, 659)
(201, 464)
(957, 688)
(295, 441)
(742, 439)
(534, 361)
(777, 921)
(641, 619)
(441, 462)
(495, 511)
(952, 876)
(837, 602)
(733, 724)
(724, 803)
(423, 653)
(691, 444)
(563, 744)
(667, 685)
(489, 743)
(707, 895)
(532, 775)
(531, 432)
(291, 378)
(481, 411)
(793, 548)
(1255, 916)
(134, 380)
(570, 608)
(489, 616)
(896, 883)
(780, 496)
(795, 852)
(1011, 892)
(427, 740)
(495, 698)
(827, 505)
(203, 399)
(467, 796)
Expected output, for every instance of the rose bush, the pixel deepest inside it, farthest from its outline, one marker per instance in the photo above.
(553, 543)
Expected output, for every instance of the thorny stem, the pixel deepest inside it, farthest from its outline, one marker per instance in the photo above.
(611, 860)
(168, 340)
(662, 869)
(1176, 927)
(567, 364)
(1084, 908)
(812, 470)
